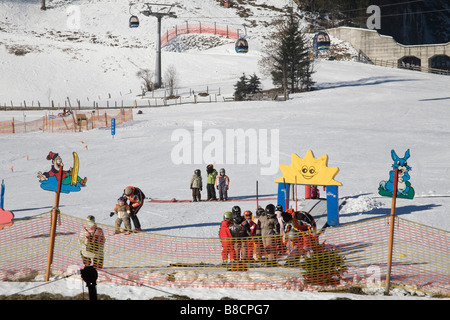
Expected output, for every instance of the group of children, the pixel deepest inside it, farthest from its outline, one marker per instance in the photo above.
(271, 234)
(214, 181)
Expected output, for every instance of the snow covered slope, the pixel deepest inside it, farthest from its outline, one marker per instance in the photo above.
(85, 50)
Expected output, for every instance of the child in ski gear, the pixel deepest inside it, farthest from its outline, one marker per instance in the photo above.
(210, 181)
(300, 231)
(92, 242)
(259, 248)
(270, 228)
(222, 184)
(281, 248)
(226, 238)
(123, 215)
(253, 226)
(136, 198)
(240, 231)
(236, 210)
(196, 185)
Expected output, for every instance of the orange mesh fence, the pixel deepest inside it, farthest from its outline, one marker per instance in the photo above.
(341, 257)
(76, 122)
(223, 31)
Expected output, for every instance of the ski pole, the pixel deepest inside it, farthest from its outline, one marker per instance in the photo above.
(257, 205)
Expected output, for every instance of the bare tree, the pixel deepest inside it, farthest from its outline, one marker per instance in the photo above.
(43, 5)
(146, 75)
(171, 79)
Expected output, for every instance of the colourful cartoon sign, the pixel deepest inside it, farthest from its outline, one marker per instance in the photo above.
(404, 189)
(70, 182)
(309, 171)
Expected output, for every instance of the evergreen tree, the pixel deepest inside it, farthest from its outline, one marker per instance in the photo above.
(287, 59)
(241, 88)
(254, 84)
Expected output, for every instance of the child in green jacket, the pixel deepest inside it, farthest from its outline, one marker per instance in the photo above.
(210, 182)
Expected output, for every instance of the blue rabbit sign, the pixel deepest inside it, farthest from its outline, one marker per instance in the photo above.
(404, 189)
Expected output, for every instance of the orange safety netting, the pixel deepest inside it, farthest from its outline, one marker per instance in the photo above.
(70, 122)
(339, 257)
(187, 28)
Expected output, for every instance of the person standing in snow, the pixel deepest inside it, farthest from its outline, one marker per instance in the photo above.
(222, 184)
(240, 231)
(123, 215)
(210, 181)
(281, 248)
(196, 185)
(226, 238)
(136, 198)
(270, 229)
(92, 241)
(259, 248)
(252, 226)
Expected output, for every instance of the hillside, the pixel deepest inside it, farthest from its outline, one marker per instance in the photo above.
(85, 50)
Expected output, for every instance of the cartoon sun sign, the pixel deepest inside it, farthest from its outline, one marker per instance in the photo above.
(309, 171)
(70, 182)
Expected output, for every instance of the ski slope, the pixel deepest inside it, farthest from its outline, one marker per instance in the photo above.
(357, 115)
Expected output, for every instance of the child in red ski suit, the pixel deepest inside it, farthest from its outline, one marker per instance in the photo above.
(226, 239)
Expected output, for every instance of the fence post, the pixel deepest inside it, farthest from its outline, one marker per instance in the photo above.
(55, 213)
(391, 233)
(12, 123)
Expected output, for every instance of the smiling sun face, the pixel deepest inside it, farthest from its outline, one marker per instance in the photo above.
(309, 171)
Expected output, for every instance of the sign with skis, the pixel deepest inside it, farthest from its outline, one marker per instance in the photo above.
(70, 181)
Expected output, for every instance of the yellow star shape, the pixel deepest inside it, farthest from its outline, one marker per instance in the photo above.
(309, 171)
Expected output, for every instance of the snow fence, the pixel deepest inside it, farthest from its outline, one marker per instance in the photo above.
(351, 255)
(188, 28)
(68, 121)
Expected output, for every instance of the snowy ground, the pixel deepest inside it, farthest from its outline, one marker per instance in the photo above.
(359, 114)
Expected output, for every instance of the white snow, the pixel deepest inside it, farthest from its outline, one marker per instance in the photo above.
(359, 114)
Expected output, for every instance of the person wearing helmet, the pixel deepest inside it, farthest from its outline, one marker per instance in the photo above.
(222, 184)
(270, 209)
(211, 175)
(136, 198)
(300, 233)
(253, 226)
(236, 210)
(240, 231)
(259, 248)
(123, 215)
(226, 238)
(196, 185)
(270, 229)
